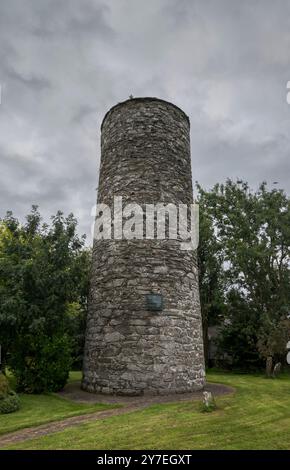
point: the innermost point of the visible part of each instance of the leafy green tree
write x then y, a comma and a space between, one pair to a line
39, 278
77, 310
11, 302
210, 263
253, 229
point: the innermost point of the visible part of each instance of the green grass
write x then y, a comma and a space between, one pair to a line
256, 416
75, 375
41, 409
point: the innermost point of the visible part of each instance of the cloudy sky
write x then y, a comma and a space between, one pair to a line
64, 63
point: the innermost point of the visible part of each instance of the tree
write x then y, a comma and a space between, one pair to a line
253, 229
273, 337
10, 293
39, 277
210, 263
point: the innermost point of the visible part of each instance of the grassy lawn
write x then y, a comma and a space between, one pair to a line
257, 416
40, 409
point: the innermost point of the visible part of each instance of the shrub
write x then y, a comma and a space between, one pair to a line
9, 404
4, 386
9, 400
48, 369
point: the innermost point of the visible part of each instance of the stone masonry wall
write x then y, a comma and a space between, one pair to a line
145, 158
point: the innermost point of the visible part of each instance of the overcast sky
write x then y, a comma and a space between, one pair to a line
63, 64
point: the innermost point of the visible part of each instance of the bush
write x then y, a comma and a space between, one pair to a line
9, 404
46, 371
9, 400
4, 386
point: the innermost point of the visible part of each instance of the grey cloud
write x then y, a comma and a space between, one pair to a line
34, 82
65, 64
56, 18
82, 113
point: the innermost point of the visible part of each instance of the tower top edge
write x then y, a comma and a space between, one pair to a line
144, 99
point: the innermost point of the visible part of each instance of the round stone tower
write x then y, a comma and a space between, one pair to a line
144, 331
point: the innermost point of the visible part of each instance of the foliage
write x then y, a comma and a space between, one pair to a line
77, 311
4, 386
40, 268
45, 366
273, 336
249, 251
237, 345
9, 400
10, 403
211, 279
76, 330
